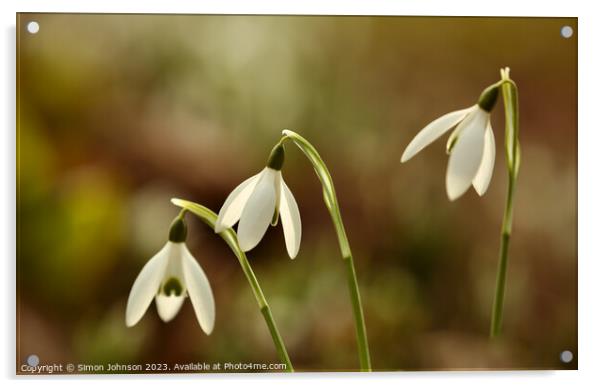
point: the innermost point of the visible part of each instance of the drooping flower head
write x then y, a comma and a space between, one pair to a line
258, 202
169, 277
471, 145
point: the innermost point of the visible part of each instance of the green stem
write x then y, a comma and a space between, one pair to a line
229, 236
358, 314
510, 94
500, 286
332, 205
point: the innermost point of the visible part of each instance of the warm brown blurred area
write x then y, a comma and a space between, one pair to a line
119, 113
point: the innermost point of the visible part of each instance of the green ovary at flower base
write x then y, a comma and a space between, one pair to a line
472, 157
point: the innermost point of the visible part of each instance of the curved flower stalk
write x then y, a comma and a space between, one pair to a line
512, 145
229, 236
259, 201
472, 157
168, 278
330, 199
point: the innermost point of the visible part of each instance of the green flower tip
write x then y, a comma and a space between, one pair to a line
178, 230
489, 97
172, 287
276, 159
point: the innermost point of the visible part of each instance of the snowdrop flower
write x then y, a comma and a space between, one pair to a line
168, 278
471, 145
257, 202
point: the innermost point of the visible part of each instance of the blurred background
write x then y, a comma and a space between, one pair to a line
119, 113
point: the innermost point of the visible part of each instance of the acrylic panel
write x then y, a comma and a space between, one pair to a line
396, 266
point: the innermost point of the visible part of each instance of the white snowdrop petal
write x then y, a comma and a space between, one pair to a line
199, 291
277, 183
235, 203
169, 306
466, 155
258, 212
433, 131
174, 265
483, 177
291, 221
146, 285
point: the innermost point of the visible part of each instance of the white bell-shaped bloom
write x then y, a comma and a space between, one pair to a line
169, 277
471, 147
257, 202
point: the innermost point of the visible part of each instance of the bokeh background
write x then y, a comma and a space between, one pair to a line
119, 113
